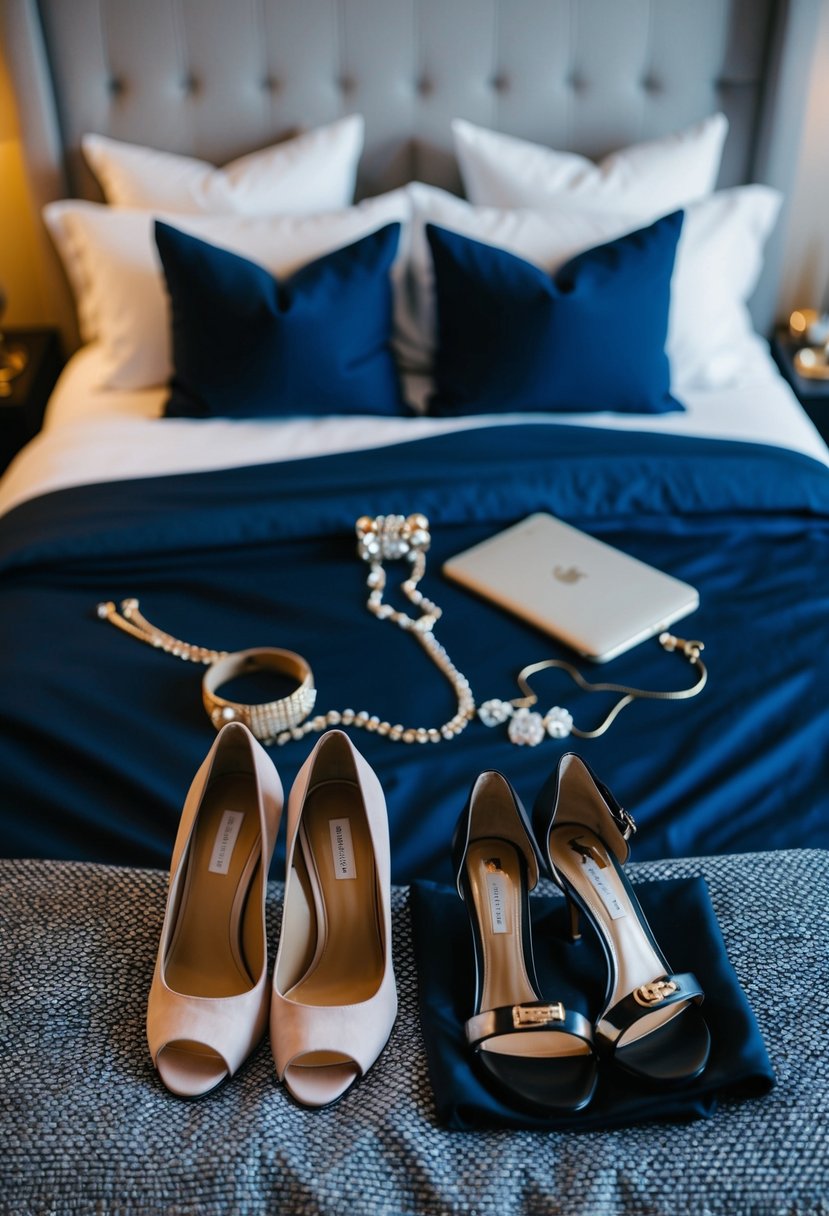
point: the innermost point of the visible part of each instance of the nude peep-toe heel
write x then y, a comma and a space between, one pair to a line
536, 1051
208, 1003
651, 1025
334, 998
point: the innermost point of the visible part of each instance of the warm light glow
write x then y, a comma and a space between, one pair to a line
811, 362
807, 325
18, 240
8, 114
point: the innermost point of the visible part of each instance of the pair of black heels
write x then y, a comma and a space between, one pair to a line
539, 1053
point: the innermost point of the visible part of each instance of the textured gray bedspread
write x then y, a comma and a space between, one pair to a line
85, 1127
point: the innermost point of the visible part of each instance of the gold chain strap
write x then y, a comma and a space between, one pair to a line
526, 727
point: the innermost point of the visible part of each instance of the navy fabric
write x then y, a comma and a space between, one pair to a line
590, 337
100, 735
679, 912
246, 345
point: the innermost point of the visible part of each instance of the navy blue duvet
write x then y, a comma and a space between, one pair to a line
101, 735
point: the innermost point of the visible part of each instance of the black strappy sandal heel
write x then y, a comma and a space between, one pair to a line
537, 1052
651, 1025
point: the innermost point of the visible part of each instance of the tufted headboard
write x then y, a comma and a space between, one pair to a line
216, 78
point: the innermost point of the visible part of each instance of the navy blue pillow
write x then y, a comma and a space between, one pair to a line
590, 337
246, 345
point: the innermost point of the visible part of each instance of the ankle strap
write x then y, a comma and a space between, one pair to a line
574, 794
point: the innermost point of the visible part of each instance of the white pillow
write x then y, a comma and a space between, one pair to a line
647, 179
113, 265
313, 172
718, 261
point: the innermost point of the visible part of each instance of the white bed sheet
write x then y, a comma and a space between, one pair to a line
92, 435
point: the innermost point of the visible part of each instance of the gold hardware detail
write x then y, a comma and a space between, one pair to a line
536, 1015
654, 993
558, 721
628, 823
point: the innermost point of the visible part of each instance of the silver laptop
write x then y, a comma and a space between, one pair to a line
596, 599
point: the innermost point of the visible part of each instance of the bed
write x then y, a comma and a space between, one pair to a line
672, 487
198, 547
232, 520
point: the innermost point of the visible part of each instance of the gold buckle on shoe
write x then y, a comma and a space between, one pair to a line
654, 993
536, 1015
626, 822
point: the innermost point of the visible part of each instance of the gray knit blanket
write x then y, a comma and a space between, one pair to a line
85, 1127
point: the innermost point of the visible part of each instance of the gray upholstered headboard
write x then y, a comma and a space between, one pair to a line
216, 78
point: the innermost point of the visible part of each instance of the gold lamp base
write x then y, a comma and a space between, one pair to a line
13, 360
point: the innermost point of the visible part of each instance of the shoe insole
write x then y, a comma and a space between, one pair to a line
496, 880
336, 856
583, 859
210, 953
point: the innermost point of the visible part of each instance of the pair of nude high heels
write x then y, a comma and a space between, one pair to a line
332, 1001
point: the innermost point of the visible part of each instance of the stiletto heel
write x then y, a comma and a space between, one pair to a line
536, 1051
334, 998
208, 1002
650, 1025
573, 918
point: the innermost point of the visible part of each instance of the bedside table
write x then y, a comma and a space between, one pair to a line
21, 411
813, 395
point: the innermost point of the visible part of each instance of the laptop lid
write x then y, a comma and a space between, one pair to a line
596, 599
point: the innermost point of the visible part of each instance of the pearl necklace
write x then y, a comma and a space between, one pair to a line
379, 539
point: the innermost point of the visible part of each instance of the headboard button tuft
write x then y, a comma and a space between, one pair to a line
115, 86
347, 84
500, 83
425, 86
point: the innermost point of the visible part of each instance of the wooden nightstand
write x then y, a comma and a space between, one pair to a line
21, 411
813, 395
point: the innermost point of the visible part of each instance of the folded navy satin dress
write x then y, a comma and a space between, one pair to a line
681, 915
